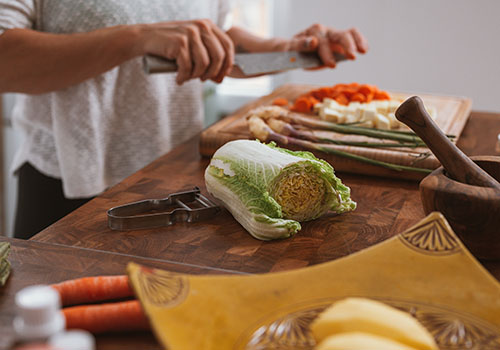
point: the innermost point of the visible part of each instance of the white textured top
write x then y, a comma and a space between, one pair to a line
94, 134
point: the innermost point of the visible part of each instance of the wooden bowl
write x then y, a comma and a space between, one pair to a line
472, 211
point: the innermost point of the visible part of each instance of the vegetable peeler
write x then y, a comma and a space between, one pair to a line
186, 206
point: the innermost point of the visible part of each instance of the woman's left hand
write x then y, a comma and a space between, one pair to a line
325, 41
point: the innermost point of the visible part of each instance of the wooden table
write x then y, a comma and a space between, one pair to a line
385, 208
43, 263
87, 246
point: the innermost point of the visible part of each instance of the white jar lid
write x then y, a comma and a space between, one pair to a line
38, 313
73, 340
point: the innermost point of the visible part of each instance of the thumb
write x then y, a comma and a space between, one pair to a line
304, 44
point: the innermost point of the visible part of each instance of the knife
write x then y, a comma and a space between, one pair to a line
250, 63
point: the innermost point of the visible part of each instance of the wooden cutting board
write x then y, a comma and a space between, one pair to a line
452, 114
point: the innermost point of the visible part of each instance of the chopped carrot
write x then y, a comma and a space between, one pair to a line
280, 101
93, 289
339, 87
111, 317
342, 99
313, 101
349, 92
382, 95
366, 89
342, 93
359, 97
321, 93
304, 104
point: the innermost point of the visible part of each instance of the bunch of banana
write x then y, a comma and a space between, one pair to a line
365, 324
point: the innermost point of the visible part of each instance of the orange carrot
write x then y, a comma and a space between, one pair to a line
359, 97
93, 289
304, 104
342, 93
342, 99
111, 317
349, 92
339, 87
322, 92
366, 89
382, 95
301, 105
280, 101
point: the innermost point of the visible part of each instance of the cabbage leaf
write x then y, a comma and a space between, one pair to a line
270, 190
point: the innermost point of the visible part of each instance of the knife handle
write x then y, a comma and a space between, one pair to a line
155, 64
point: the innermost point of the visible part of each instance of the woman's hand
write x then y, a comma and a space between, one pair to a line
199, 47
326, 41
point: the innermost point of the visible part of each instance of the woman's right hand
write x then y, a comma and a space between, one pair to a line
200, 48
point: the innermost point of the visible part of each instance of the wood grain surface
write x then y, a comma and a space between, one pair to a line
41, 263
385, 207
452, 114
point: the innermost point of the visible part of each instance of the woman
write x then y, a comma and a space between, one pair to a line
89, 114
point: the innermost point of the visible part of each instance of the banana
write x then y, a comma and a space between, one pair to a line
360, 341
373, 317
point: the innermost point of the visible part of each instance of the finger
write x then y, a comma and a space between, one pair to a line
304, 43
228, 47
216, 53
316, 68
185, 66
199, 53
361, 42
346, 40
325, 53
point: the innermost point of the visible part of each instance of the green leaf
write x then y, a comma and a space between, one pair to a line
4, 271
4, 249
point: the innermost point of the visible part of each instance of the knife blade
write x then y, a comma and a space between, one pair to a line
250, 63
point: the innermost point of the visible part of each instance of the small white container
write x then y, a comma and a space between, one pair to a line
73, 340
39, 313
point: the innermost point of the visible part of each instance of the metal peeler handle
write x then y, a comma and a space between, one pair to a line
153, 213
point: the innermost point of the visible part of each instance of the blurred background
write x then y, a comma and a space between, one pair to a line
445, 47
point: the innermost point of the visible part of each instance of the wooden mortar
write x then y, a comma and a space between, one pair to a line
466, 191
472, 211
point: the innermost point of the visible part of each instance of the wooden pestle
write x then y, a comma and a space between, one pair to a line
458, 166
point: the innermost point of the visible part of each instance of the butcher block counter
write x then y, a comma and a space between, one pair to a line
81, 244
386, 207
42, 263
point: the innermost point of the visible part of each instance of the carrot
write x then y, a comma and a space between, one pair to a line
111, 317
342, 99
339, 87
322, 92
93, 289
304, 104
382, 95
359, 97
366, 89
280, 101
349, 92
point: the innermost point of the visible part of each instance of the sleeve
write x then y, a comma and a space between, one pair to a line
224, 17
17, 14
